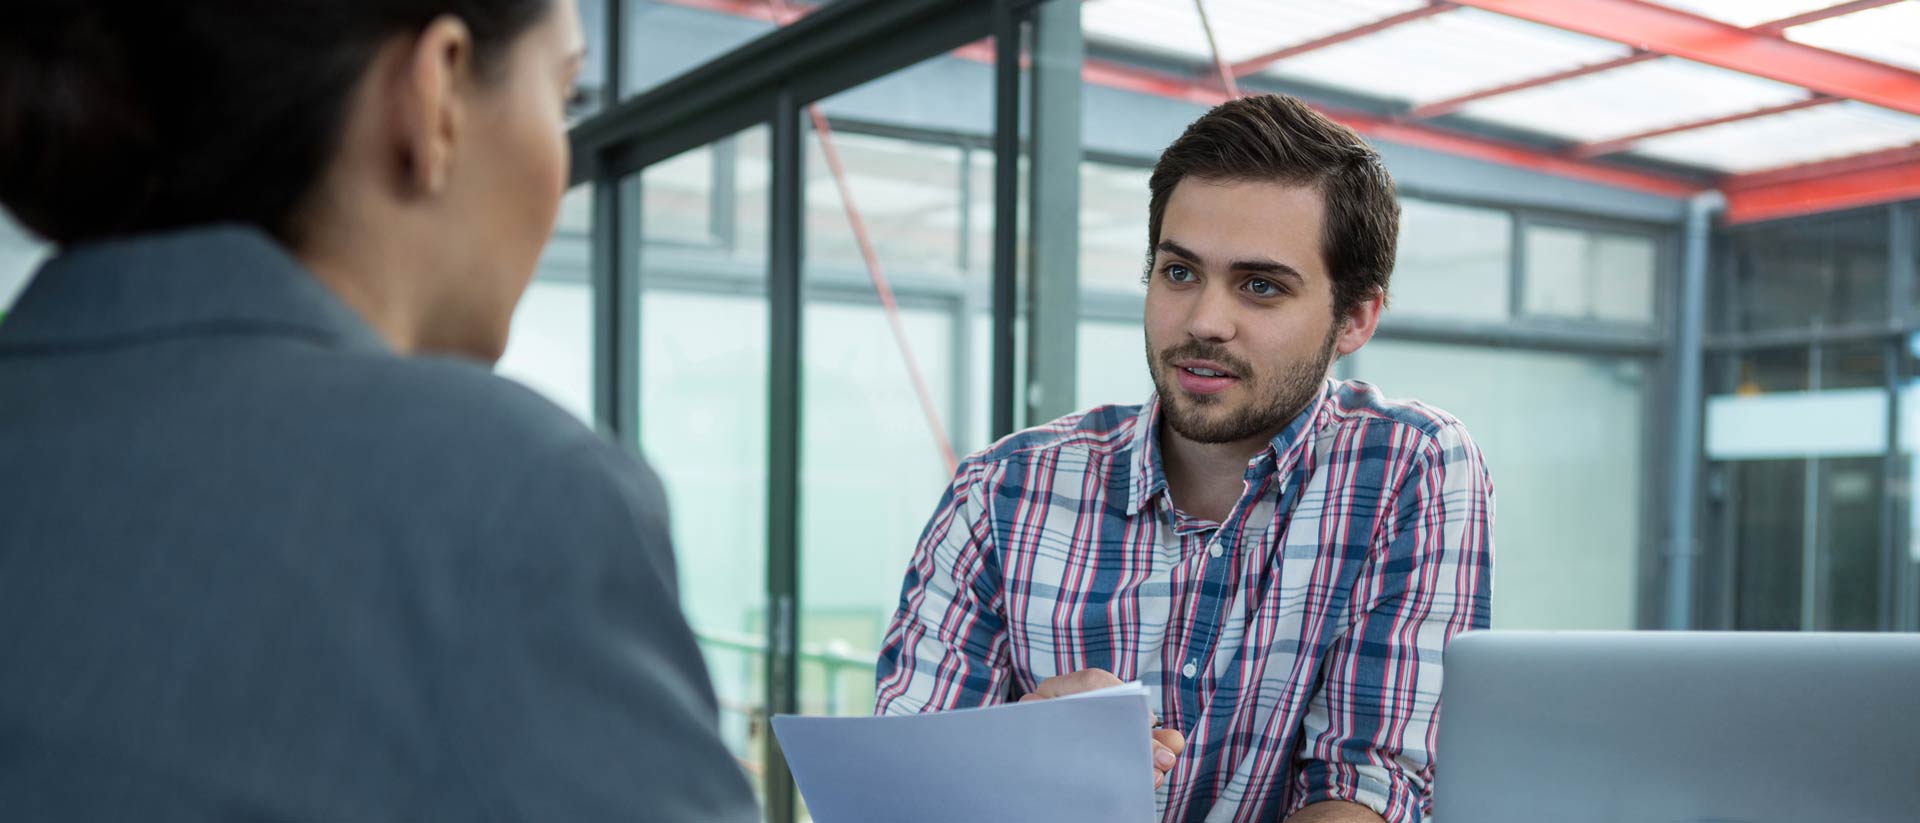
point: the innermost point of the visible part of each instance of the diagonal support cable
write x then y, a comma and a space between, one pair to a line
777, 9
1227, 78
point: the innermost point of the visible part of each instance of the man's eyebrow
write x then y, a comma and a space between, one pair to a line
1257, 265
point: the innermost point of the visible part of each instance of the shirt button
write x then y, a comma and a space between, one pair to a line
1189, 670
1214, 550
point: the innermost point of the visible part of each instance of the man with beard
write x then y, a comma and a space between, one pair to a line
1278, 556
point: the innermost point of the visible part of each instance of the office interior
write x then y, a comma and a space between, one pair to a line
815, 252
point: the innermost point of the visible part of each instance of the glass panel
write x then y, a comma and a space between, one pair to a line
1111, 365
1852, 534
1589, 275
1885, 34
1113, 227
1799, 534
550, 347
1244, 28
908, 193
1804, 136
1449, 54
1455, 262
20, 255
666, 38
1568, 531
872, 472
1633, 99
703, 419
592, 82
872, 463
678, 198
1812, 273
1769, 537
1745, 13
1850, 544
1557, 272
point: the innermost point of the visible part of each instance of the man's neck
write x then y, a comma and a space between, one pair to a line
1206, 479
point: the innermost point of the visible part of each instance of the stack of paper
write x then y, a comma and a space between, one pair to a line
1084, 759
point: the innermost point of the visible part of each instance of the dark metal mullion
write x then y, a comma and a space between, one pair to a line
1903, 250
1516, 265
626, 337
1006, 193
613, 40
607, 297
783, 441
1891, 545
722, 204
1053, 213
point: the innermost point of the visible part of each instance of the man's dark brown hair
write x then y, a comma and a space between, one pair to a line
1276, 138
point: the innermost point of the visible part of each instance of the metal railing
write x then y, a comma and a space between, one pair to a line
835, 663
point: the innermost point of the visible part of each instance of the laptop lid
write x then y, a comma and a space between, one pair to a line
1679, 727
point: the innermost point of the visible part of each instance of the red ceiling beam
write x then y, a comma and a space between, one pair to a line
756, 9
1587, 151
1822, 187
1667, 31
1869, 162
1251, 65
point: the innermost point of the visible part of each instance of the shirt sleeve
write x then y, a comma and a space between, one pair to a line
1371, 726
946, 647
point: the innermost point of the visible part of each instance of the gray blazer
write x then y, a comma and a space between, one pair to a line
255, 566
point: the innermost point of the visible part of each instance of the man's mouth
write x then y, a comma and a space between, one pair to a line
1203, 377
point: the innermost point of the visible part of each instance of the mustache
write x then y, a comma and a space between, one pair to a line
1196, 350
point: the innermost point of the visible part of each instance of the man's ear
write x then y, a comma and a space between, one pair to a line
1359, 323
428, 114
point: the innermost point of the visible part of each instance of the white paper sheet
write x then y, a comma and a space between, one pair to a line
1088, 759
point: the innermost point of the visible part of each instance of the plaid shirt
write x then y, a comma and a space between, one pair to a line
1296, 645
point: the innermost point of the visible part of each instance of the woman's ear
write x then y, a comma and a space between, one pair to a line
428, 109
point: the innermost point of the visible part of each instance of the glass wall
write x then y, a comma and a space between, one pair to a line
550, 348
1807, 442
1454, 262
885, 389
703, 405
20, 254
1562, 436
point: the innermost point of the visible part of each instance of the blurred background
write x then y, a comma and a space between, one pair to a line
1660, 258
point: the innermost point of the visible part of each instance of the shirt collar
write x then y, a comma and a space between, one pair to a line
225, 277
1149, 473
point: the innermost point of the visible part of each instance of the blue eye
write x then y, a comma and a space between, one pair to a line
1262, 288
1177, 273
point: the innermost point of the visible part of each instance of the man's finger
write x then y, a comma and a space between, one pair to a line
1162, 758
1172, 739
1085, 680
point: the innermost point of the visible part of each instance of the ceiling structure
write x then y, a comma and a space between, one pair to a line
1788, 107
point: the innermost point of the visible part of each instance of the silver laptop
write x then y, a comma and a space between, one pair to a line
1679, 727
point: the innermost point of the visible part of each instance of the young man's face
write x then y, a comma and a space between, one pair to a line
1239, 318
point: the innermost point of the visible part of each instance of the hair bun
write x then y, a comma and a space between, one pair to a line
75, 136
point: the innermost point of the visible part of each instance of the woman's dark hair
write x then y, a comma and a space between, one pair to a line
122, 116
1276, 138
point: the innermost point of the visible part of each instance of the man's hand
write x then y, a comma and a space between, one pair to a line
1167, 743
